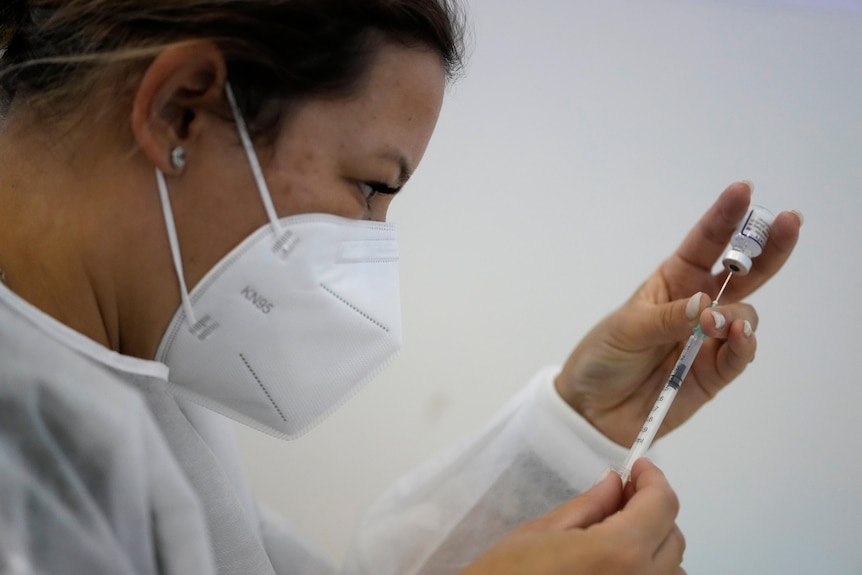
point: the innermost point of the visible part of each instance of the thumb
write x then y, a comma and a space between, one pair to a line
590, 507
672, 322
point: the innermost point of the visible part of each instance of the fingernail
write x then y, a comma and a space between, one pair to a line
719, 319
602, 477
610, 470
747, 329
692, 308
798, 215
750, 184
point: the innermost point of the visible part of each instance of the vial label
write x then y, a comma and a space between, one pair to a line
756, 229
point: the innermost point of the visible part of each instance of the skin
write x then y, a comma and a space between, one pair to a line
589, 536
614, 375
69, 185
79, 184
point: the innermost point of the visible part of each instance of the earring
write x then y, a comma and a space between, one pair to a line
178, 158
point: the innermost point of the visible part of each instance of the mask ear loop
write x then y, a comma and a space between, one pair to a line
175, 245
262, 188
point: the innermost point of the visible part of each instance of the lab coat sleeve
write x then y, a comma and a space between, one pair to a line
536, 454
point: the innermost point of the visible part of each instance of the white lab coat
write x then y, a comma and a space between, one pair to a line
102, 470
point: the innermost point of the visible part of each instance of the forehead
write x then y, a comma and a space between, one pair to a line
399, 79
396, 105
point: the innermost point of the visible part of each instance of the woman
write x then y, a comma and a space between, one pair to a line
193, 195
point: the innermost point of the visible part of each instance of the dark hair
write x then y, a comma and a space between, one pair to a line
289, 49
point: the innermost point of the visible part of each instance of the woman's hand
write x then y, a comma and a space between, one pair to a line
592, 535
614, 375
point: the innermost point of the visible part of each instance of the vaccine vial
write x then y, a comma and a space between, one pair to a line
748, 240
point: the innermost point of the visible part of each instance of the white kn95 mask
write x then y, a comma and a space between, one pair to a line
292, 322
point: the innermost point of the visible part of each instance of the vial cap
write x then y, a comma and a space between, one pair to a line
737, 262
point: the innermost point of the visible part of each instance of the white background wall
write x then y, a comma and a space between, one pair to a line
584, 142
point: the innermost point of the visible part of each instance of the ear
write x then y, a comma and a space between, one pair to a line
183, 81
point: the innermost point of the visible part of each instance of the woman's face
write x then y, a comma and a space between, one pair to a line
334, 156
329, 156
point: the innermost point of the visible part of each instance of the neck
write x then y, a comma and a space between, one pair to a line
71, 225
40, 239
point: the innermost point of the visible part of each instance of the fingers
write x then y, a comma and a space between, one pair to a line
669, 555
705, 243
645, 531
718, 321
735, 355
653, 505
589, 535
783, 236
670, 322
735, 324
590, 507
673, 322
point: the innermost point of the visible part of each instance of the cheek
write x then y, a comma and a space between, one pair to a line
315, 192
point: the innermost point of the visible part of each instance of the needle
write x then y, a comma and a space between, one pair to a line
721, 291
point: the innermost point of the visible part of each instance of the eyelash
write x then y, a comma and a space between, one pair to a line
376, 188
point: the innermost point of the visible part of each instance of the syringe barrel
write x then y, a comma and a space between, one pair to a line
648, 431
686, 358
662, 405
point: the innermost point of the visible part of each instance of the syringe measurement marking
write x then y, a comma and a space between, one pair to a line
645, 429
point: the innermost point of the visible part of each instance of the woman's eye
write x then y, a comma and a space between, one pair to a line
371, 189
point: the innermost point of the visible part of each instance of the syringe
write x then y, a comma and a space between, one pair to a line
665, 399
747, 242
